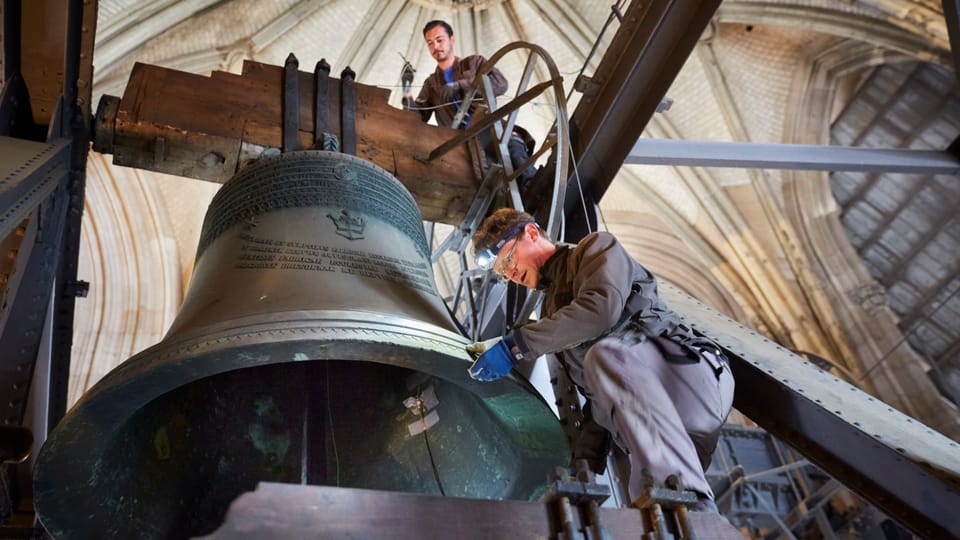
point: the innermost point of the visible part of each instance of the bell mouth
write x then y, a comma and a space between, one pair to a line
311, 347
333, 398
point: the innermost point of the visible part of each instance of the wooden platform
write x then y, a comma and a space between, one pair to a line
299, 511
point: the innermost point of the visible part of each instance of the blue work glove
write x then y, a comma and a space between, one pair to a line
493, 359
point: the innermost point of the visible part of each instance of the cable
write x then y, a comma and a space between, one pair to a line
583, 200
426, 440
477, 102
333, 438
614, 11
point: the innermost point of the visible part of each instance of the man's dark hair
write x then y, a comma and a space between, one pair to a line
433, 24
497, 225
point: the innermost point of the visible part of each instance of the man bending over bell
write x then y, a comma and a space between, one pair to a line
661, 389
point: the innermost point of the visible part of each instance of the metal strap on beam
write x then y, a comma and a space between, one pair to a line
321, 104
805, 157
348, 111
291, 104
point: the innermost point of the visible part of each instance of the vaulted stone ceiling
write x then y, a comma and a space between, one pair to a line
766, 247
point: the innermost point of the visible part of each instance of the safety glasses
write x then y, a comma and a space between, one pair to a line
508, 263
487, 258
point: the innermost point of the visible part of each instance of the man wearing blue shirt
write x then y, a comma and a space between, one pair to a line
443, 92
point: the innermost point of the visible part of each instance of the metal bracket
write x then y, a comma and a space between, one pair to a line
586, 86
77, 289
665, 509
580, 491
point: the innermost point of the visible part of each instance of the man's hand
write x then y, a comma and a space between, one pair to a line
449, 91
406, 77
493, 359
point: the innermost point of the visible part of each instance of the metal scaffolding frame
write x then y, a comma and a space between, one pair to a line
42, 188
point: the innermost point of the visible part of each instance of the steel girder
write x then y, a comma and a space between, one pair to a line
646, 54
791, 156
951, 12
31, 206
899, 465
44, 140
903, 467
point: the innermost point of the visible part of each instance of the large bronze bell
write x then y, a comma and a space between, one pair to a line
313, 348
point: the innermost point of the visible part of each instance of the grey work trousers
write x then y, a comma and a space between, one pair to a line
667, 415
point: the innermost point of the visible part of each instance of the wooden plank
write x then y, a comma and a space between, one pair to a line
208, 127
300, 511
